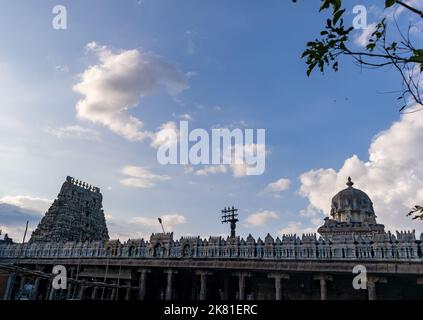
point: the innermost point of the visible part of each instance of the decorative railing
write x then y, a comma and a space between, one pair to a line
403, 247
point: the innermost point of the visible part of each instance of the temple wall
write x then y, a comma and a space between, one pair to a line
403, 246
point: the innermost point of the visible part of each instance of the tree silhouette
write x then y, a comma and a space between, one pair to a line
335, 42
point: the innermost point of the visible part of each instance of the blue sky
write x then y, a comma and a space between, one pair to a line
241, 65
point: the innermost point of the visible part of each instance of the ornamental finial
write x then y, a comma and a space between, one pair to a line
350, 183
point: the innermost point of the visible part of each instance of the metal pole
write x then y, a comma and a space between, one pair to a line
161, 224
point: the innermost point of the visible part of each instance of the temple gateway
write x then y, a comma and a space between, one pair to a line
73, 233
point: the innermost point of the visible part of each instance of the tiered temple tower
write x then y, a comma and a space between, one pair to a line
76, 215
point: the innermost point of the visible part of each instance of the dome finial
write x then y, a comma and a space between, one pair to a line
350, 183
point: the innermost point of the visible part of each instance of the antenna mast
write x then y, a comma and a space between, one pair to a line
230, 215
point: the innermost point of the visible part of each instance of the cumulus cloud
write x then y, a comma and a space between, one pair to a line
278, 186
211, 170
238, 160
417, 4
363, 38
27, 202
296, 227
252, 157
11, 215
185, 116
15, 232
73, 132
117, 83
392, 176
15, 211
260, 218
169, 221
166, 136
141, 226
140, 177
417, 29
62, 68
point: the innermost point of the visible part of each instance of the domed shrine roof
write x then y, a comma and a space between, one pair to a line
351, 199
352, 214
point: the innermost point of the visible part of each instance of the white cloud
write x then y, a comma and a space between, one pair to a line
141, 226
169, 221
118, 82
278, 186
296, 227
62, 68
167, 135
186, 117
392, 176
416, 75
140, 177
260, 218
363, 39
15, 232
74, 132
239, 166
211, 170
396, 11
239, 124
417, 4
39, 205
417, 28
311, 212
188, 169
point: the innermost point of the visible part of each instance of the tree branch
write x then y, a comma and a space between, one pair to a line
407, 6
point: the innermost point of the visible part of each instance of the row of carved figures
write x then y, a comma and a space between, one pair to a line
82, 184
220, 248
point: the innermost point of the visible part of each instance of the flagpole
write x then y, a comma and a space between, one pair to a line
161, 224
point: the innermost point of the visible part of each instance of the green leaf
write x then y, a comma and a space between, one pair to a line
371, 46
336, 5
418, 56
310, 69
325, 4
337, 15
335, 66
389, 3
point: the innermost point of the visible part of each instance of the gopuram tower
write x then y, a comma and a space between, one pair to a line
76, 215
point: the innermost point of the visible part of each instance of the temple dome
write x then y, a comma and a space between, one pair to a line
352, 205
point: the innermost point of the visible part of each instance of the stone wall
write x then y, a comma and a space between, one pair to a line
402, 246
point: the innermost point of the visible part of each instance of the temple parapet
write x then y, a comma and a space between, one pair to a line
409, 236
82, 184
403, 246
